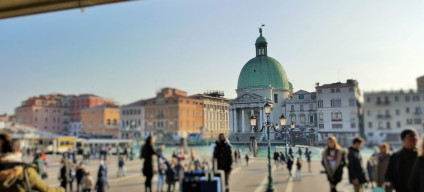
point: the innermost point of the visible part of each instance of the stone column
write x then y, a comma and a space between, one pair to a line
235, 121
243, 123
231, 120
261, 120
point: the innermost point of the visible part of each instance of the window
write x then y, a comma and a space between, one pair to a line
409, 121
336, 116
35, 119
415, 98
417, 121
332, 90
388, 125
418, 110
311, 107
337, 126
397, 112
45, 120
336, 103
369, 113
302, 118
407, 98
407, 110
351, 89
352, 125
321, 116
293, 118
368, 99
292, 108
108, 121
301, 107
321, 126
301, 96
370, 125
396, 98
337, 90
319, 91
276, 98
311, 119
398, 124
320, 103
351, 102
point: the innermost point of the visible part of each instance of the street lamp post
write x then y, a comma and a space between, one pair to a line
269, 125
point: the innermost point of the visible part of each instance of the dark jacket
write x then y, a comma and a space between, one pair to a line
356, 170
147, 152
171, 173
102, 180
80, 173
335, 176
276, 155
416, 183
223, 154
289, 163
65, 173
399, 171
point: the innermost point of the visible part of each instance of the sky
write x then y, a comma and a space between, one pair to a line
128, 51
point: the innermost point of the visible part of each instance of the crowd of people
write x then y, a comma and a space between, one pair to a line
402, 171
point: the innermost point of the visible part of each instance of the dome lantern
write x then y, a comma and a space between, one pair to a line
261, 44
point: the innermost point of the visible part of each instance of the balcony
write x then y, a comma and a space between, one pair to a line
386, 116
383, 103
336, 120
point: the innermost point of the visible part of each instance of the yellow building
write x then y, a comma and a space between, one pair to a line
101, 121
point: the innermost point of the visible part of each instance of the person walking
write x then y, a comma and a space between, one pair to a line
290, 165
416, 183
171, 175
299, 151
39, 165
355, 167
80, 174
147, 153
381, 162
223, 155
298, 175
102, 180
308, 159
333, 160
16, 175
276, 158
65, 174
282, 159
247, 159
400, 163
290, 152
121, 168
161, 173
87, 182
235, 157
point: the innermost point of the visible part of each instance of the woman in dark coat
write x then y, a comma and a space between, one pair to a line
333, 160
147, 153
416, 183
102, 181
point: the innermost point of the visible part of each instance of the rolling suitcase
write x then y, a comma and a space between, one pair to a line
191, 181
210, 184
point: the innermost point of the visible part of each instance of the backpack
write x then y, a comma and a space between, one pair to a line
26, 183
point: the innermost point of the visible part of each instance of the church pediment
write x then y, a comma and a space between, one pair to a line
249, 98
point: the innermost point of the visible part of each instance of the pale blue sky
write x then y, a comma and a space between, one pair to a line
128, 51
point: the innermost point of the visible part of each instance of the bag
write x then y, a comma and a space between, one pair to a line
378, 189
44, 175
210, 184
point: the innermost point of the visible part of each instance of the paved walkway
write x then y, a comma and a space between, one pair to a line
243, 179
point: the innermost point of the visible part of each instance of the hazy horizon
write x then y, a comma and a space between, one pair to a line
128, 51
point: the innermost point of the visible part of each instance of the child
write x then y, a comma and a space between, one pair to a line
171, 175
299, 169
87, 182
121, 170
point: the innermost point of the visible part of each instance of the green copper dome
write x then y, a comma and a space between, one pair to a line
261, 39
261, 72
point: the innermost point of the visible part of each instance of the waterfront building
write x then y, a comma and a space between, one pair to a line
172, 115
79, 103
262, 80
339, 111
420, 84
301, 110
132, 120
216, 116
387, 113
44, 112
100, 121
